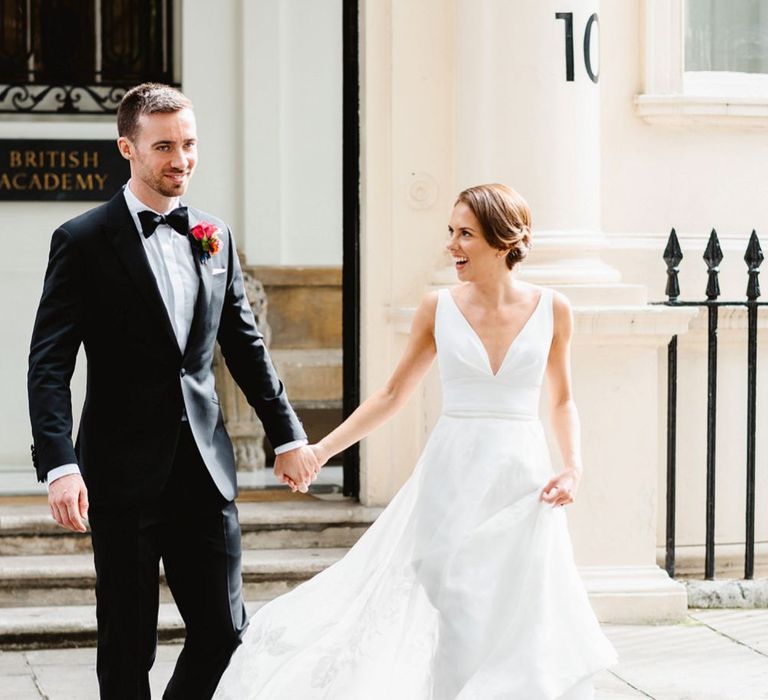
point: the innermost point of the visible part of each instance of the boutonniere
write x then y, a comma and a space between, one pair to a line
205, 237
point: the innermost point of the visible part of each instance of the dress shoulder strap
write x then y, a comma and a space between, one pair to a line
549, 297
440, 306
442, 310
548, 304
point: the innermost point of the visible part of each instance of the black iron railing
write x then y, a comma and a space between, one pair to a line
713, 256
76, 57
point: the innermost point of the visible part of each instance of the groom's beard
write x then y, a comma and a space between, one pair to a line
165, 186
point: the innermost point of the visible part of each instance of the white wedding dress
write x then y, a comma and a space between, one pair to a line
465, 587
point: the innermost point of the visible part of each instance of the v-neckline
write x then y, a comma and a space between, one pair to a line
480, 340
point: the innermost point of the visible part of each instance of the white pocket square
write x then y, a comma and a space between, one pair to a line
219, 270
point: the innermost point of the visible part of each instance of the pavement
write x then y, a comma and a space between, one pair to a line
713, 655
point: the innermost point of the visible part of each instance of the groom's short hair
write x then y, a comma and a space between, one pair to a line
147, 98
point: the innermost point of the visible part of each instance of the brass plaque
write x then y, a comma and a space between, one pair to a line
62, 170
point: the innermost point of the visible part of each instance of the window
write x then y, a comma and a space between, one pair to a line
726, 48
80, 56
706, 62
726, 36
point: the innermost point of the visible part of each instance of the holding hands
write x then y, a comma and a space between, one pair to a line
561, 489
298, 468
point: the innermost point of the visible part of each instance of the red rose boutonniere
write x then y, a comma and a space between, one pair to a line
206, 240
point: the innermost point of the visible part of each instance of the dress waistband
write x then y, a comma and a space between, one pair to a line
491, 414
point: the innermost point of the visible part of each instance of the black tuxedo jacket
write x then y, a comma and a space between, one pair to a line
100, 291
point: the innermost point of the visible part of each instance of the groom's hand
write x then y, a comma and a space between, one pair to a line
298, 468
68, 499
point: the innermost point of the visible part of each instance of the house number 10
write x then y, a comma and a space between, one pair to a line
592, 72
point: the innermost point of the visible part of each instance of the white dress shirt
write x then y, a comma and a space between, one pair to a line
170, 257
172, 264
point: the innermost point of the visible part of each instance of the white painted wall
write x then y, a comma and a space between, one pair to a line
518, 120
693, 177
407, 189
266, 81
292, 125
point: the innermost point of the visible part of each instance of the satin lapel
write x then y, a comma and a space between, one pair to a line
125, 239
205, 290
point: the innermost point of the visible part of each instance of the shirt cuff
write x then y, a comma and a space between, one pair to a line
288, 446
63, 470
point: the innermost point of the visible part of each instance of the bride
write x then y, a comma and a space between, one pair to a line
465, 587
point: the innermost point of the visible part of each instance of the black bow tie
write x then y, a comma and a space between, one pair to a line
178, 220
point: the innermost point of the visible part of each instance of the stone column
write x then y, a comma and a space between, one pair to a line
520, 120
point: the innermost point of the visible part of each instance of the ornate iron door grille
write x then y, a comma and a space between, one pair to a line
80, 56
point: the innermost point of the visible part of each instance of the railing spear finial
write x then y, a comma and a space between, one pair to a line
673, 256
754, 258
713, 256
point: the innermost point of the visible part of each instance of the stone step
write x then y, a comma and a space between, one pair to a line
312, 376
729, 561
75, 625
69, 579
304, 524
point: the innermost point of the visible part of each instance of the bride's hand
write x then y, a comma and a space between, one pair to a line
321, 454
561, 489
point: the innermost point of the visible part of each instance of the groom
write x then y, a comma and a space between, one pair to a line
148, 286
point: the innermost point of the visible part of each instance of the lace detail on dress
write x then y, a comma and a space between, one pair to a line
338, 659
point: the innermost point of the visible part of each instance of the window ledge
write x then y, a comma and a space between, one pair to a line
688, 110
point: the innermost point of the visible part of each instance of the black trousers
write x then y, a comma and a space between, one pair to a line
196, 534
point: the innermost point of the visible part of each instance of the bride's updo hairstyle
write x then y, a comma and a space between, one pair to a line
504, 217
